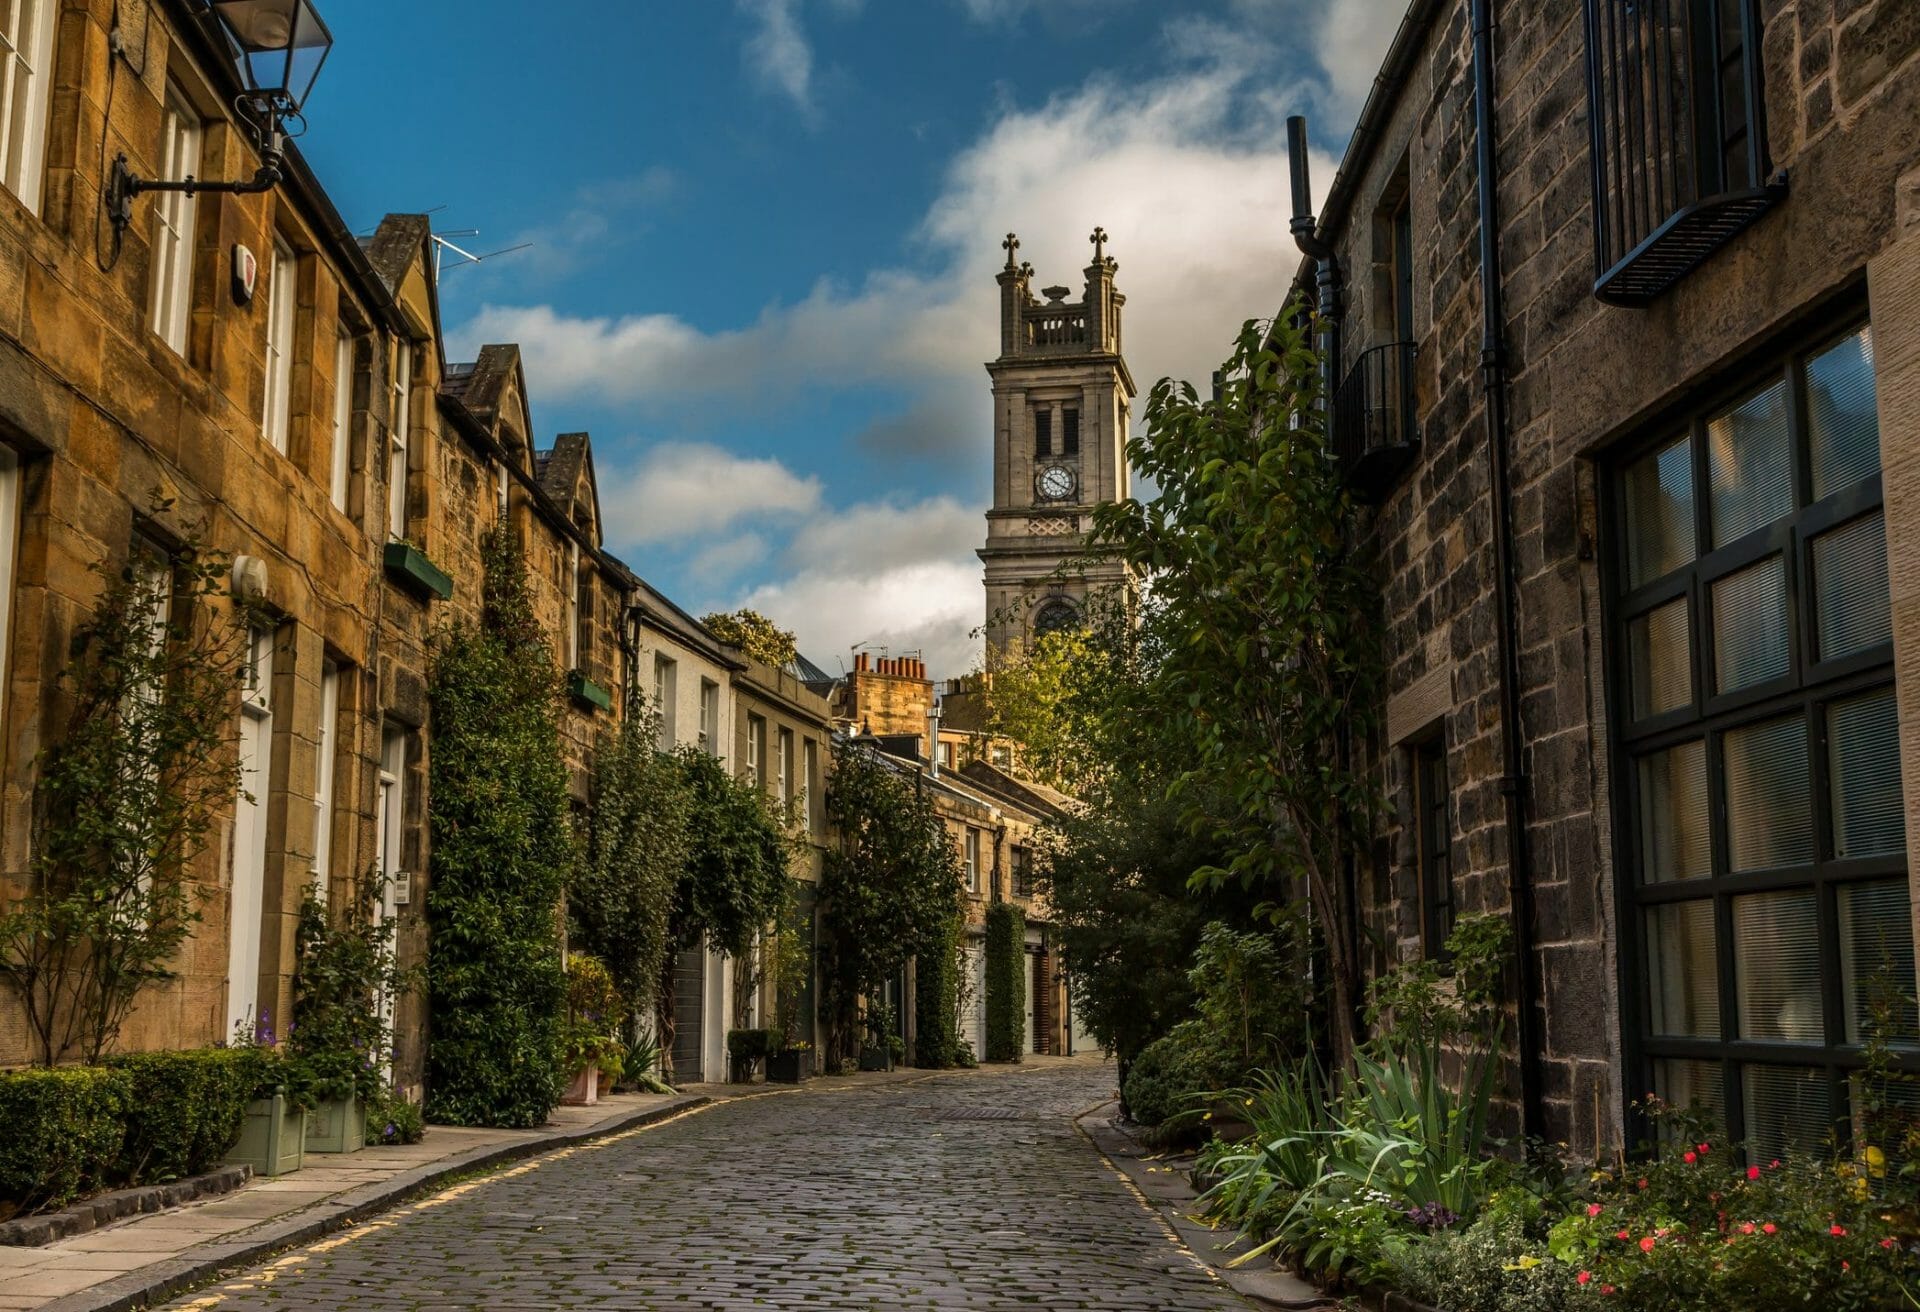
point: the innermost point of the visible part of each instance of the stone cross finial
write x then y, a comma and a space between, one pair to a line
1010, 245
1099, 240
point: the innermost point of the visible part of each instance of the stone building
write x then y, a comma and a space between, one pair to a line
306, 423
1626, 330
1062, 399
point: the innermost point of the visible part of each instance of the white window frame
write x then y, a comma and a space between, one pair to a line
342, 419
26, 90
756, 740
278, 415
810, 764
173, 216
399, 430
572, 618
783, 770
501, 502
970, 858
666, 680
323, 765
710, 717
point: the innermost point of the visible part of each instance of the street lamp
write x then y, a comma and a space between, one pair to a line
277, 48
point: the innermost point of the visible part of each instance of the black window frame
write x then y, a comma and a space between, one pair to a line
1433, 843
1808, 688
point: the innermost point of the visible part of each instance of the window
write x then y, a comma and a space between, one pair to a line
9, 536
1764, 828
1022, 878
756, 747
810, 771
280, 304
970, 859
1056, 616
783, 768
152, 566
500, 492
1433, 831
342, 418
323, 762
250, 836
1070, 432
710, 717
664, 698
26, 82
389, 840
1043, 431
399, 430
173, 214
570, 621
1677, 136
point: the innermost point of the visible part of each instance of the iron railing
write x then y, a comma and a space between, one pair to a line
1678, 138
1375, 433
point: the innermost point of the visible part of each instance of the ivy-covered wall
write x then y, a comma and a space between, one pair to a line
1006, 981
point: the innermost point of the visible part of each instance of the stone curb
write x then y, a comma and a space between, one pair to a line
104, 1209
164, 1279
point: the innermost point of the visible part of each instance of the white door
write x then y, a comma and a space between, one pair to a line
250, 838
389, 825
974, 1023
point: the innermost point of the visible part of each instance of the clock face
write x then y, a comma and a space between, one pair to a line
1056, 483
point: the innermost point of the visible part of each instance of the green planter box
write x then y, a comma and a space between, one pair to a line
273, 1138
587, 692
409, 566
337, 1127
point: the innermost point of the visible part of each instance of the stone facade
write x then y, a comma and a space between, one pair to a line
1587, 381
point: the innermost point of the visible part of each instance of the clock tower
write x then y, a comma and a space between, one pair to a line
1062, 400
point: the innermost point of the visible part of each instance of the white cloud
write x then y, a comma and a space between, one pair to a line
778, 52
931, 607
681, 490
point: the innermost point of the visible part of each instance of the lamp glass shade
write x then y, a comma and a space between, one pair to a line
277, 46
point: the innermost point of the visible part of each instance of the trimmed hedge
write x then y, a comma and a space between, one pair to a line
186, 1110
1006, 981
1163, 1081
751, 1045
61, 1133
936, 1001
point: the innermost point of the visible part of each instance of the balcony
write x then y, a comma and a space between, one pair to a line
1679, 142
1375, 436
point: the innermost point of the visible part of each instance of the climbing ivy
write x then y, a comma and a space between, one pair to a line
1006, 949
501, 854
936, 996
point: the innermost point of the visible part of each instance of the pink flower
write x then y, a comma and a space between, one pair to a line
1747, 1229
1643, 1184
1886, 1243
1623, 1235
1583, 1277
1704, 1148
1774, 1165
1606, 1289
1769, 1227
1646, 1245
1753, 1173
1594, 1209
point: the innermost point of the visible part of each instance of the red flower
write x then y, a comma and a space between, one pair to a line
1774, 1165
1704, 1148
1583, 1277
1747, 1229
1594, 1209
1886, 1243
1622, 1235
1768, 1227
1689, 1158
1606, 1289
1643, 1184
1753, 1173
1838, 1231
1646, 1245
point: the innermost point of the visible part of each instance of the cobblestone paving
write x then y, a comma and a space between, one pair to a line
963, 1191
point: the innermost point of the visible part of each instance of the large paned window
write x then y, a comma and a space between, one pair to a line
1769, 899
756, 748
665, 696
173, 222
325, 733
399, 430
280, 304
26, 83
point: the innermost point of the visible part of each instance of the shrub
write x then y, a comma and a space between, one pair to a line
185, 1110
1163, 1081
936, 1000
392, 1119
1006, 949
343, 966
61, 1131
1497, 1264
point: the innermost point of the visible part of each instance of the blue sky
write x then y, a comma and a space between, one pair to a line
764, 234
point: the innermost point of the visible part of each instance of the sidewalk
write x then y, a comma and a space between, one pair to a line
149, 1258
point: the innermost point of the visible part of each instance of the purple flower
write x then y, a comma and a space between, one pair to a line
1431, 1216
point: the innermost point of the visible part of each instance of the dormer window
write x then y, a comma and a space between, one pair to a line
1679, 148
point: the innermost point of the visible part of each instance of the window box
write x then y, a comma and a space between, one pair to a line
409, 566
587, 692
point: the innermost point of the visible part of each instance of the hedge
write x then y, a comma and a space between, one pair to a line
186, 1111
1006, 981
936, 1001
61, 1133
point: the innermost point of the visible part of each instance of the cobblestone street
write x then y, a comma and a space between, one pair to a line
970, 1190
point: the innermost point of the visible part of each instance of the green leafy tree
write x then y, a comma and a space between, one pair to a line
502, 851
1248, 555
124, 802
889, 886
1045, 695
754, 634
621, 895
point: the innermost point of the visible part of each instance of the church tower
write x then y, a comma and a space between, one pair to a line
1062, 398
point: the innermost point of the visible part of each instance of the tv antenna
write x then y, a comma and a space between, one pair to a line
441, 245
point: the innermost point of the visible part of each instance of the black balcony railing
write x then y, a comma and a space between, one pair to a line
1374, 432
1679, 141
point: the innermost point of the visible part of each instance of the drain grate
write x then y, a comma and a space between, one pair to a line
980, 1114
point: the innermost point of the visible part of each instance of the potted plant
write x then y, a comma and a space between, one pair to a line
346, 964
273, 1134
595, 1014
745, 1051
790, 1063
877, 1054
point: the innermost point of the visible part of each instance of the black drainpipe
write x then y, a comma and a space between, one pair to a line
1493, 375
